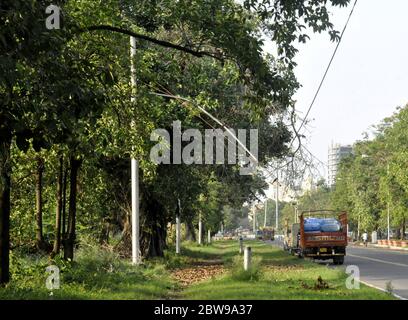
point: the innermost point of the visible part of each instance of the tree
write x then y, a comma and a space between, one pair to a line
69, 89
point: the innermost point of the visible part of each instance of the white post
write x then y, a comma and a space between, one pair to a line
134, 170
374, 237
200, 230
247, 258
177, 234
209, 236
266, 209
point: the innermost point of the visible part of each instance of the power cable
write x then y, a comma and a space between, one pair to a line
327, 69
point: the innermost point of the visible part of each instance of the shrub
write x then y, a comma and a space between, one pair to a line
239, 274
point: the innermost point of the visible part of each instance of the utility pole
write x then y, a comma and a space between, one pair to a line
266, 209
388, 206
178, 227
277, 201
296, 214
134, 168
254, 219
200, 230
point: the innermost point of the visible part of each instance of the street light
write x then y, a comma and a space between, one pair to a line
135, 221
266, 209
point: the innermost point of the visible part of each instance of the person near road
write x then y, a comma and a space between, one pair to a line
365, 238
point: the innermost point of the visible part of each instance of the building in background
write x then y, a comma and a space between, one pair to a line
336, 153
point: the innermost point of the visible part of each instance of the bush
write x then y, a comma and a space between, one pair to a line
253, 274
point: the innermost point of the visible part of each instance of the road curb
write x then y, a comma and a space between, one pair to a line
383, 290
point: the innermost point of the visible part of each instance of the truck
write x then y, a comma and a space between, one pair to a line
268, 234
320, 235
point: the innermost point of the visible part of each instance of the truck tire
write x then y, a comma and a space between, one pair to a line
338, 260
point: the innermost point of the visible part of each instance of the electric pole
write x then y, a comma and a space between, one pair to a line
277, 201
388, 206
178, 229
134, 167
200, 230
266, 209
254, 219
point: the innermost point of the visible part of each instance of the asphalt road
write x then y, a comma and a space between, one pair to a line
379, 267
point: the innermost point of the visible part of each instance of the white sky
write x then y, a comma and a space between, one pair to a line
368, 78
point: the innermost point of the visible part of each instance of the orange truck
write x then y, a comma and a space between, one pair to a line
320, 235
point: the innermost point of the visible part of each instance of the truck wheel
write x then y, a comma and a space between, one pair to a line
338, 260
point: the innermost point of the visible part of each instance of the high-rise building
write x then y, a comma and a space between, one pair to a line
336, 153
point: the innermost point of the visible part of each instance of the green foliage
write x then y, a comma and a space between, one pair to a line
253, 274
98, 273
373, 178
318, 198
66, 93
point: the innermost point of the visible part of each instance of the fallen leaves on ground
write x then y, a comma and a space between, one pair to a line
188, 276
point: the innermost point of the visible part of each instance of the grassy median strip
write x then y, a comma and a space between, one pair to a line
275, 276
201, 272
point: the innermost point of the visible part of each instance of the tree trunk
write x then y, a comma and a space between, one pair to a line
403, 229
39, 238
190, 231
5, 174
398, 235
104, 235
69, 242
154, 230
64, 203
57, 240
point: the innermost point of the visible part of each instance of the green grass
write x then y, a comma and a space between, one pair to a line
281, 277
96, 274
100, 274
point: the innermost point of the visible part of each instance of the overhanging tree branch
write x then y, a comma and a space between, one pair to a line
153, 40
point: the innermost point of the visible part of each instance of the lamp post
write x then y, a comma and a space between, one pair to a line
266, 209
277, 201
134, 169
388, 206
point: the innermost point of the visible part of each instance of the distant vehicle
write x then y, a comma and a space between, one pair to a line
259, 235
268, 233
320, 235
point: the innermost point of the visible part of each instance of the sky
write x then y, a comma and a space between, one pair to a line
367, 81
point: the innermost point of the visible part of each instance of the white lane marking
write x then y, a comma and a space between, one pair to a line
381, 289
378, 260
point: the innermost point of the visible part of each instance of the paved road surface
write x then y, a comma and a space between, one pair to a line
379, 267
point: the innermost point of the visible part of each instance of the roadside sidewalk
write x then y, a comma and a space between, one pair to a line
371, 245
